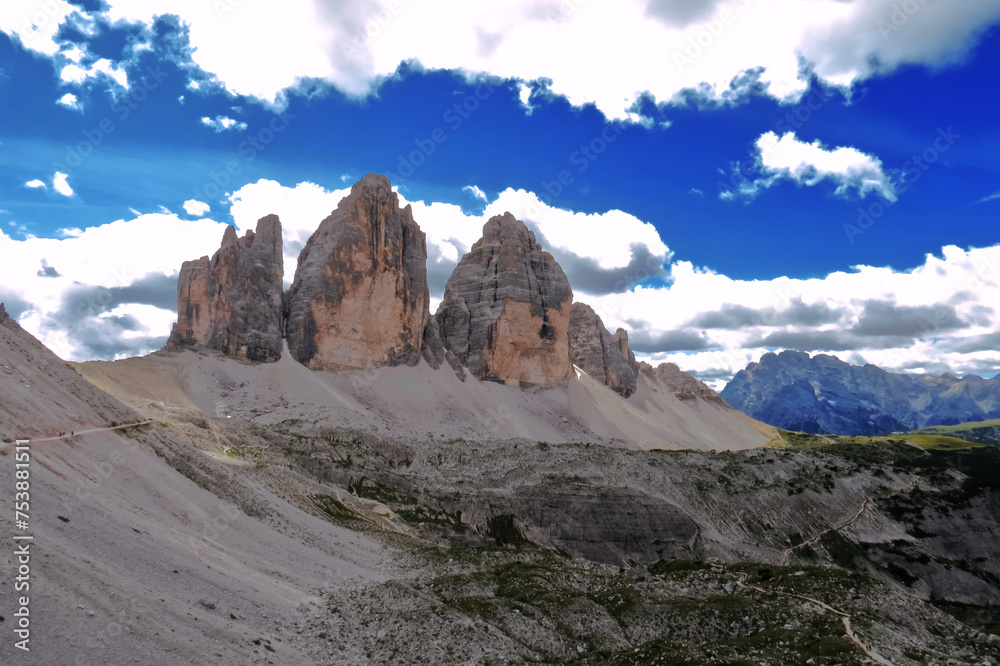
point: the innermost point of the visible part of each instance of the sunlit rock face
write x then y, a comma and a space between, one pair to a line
359, 298
506, 308
232, 303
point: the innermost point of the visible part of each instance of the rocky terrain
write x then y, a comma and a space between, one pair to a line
233, 302
605, 357
238, 525
825, 395
359, 298
506, 309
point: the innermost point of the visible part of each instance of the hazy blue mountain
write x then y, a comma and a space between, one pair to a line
823, 394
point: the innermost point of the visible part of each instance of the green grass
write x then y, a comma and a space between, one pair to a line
941, 442
937, 442
959, 427
334, 508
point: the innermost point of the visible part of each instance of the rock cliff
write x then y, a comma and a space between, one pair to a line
506, 308
232, 302
360, 297
605, 357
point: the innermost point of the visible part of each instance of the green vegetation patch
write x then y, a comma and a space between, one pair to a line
334, 508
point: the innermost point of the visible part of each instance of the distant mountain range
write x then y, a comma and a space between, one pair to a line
823, 394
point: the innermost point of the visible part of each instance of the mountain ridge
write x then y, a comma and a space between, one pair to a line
822, 394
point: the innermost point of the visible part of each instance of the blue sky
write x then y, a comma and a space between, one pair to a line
682, 160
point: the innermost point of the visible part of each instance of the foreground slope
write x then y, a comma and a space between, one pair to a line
146, 550
231, 531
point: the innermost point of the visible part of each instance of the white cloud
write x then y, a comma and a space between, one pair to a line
70, 101
694, 191
788, 158
475, 192
524, 94
196, 208
114, 290
70, 232
60, 184
75, 73
222, 123
300, 209
35, 25
939, 315
658, 47
36, 184
988, 198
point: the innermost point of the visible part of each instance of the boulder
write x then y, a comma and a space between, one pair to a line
232, 303
506, 308
360, 297
605, 357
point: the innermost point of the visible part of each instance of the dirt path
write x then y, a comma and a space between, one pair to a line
846, 617
875, 656
84, 432
788, 551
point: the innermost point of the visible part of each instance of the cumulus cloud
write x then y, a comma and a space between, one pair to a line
36, 184
222, 123
60, 183
788, 158
36, 26
722, 50
109, 291
70, 101
196, 208
595, 260
300, 209
939, 314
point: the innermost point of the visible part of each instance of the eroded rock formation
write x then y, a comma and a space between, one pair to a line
232, 302
681, 383
506, 308
605, 357
360, 298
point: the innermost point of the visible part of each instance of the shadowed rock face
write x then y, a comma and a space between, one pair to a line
232, 302
823, 394
506, 308
360, 298
605, 357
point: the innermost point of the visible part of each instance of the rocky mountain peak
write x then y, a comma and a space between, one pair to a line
360, 296
822, 394
507, 228
506, 308
605, 357
232, 302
